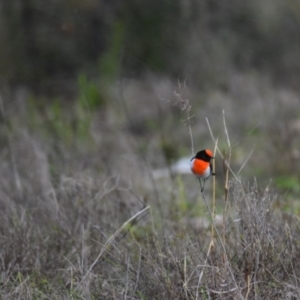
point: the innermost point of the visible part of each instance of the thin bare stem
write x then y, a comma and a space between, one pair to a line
110, 240
246, 160
214, 189
221, 242
220, 153
185, 107
226, 131
202, 272
185, 278
227, 169
138, 272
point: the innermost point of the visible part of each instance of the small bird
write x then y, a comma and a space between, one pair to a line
201, 166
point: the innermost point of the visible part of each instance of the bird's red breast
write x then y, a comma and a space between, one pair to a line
200, 167
200, 163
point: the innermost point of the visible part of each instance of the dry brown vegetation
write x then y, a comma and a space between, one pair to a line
83, 216
92, 120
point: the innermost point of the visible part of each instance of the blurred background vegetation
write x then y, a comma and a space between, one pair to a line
45, 46
70, 67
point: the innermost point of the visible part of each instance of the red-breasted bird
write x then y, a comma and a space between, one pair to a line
201, 166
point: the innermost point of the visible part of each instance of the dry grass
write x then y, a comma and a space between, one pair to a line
82, 217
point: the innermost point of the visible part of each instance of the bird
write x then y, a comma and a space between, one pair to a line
201, 166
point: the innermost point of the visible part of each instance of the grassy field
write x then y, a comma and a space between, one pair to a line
83, 215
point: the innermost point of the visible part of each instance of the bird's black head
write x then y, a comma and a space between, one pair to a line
205, 155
